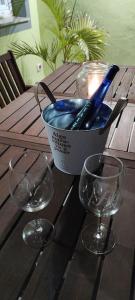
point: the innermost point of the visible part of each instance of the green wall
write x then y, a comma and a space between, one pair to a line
117, 17
28, 64
44, 19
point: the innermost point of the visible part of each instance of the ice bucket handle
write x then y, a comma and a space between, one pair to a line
119, 107
47, 91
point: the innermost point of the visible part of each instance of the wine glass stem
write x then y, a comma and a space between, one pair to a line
99, 230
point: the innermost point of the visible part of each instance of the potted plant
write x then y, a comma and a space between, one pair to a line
75, 37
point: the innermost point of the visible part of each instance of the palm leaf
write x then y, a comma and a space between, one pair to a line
73, 10
76, 55
82, 21
59, 10
42, 51
54, 51
93, 41
88, 37
76, 37
22, 48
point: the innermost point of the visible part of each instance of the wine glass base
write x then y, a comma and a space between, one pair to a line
99, 244
38, 233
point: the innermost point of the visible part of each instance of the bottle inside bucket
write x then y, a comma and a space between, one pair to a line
71, 147
81, 113
62, 114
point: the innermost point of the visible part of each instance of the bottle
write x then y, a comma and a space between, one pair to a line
88, 114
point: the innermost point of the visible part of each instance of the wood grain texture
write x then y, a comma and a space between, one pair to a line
19, 114
116, 276
56, 85
121, 154
65, 86
65, 270
112, 92
32, 142
131, 147
131, 93
17, 259
80, 278
121, 136
53, 76
124, 221
111, 132
3, 148
54, 263
126, 82
105, 279
8, 110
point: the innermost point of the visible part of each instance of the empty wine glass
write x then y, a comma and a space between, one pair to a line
99, 192
31, 188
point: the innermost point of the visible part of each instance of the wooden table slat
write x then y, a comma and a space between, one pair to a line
29, 119
79, 281
120, 139
72, 90
36, 128
12, 153
8, 110
65, 86
55, 265
43, 133
125, 84
32, 142
121, 154
53, 76
111, 132
131, 93
3, 148
20, 114
112, 92
124, 229
131, 147
14, 248
116, 275
56, 85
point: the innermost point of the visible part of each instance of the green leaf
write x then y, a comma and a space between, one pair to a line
54, 50
59, 10
75, 36
22, 48
89, 38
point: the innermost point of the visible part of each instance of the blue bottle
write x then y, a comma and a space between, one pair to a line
88, 114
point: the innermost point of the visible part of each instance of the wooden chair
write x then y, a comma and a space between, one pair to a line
11, 81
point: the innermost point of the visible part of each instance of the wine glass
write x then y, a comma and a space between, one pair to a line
99, 192
31, 188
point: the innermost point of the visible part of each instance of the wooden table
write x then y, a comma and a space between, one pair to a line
21, 123
64, 270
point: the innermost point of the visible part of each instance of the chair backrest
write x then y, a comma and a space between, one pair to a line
11, 81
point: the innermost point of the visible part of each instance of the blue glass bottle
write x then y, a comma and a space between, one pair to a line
88, 114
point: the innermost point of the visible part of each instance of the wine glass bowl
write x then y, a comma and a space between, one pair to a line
31, 188
100, 193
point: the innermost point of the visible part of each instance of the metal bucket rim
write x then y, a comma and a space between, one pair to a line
69, 130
